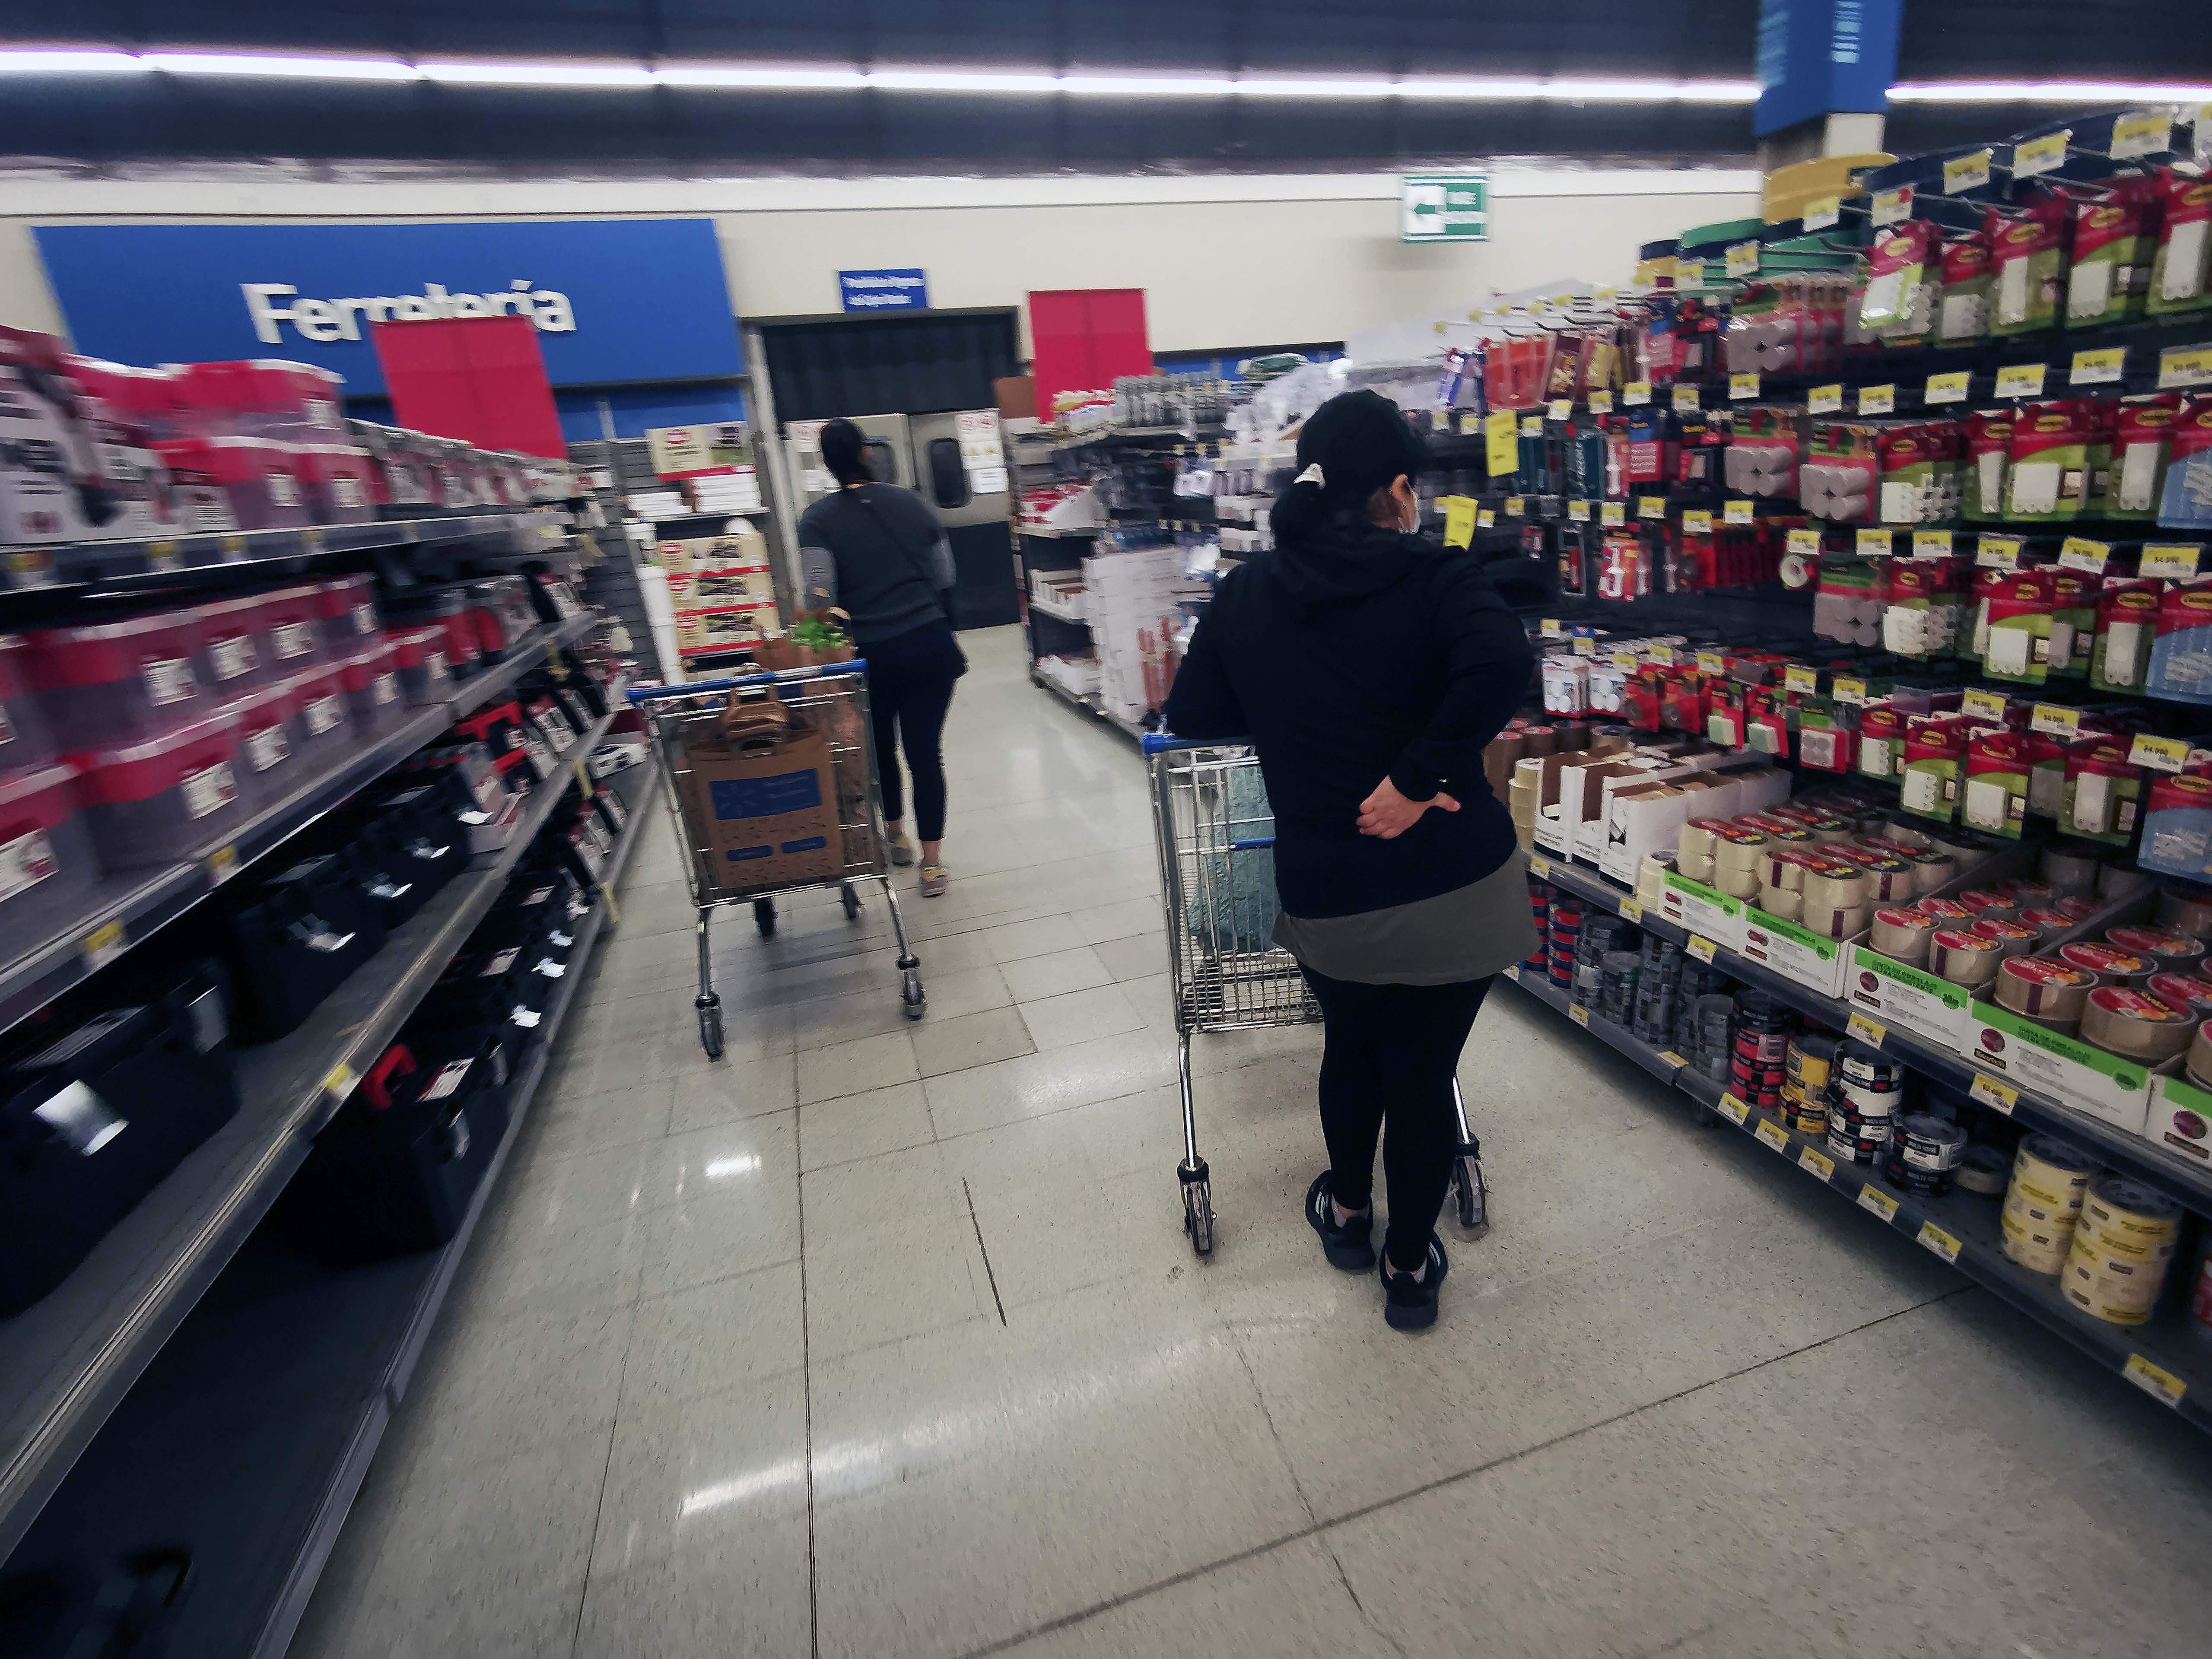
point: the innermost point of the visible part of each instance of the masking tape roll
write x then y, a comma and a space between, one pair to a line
2136, 1024
2042, 987
1903, 935
2039, 1247
2125, 1208
2163, 945
1984, 1170
2118, 1248
1964, 958
2053, 1172
2107, 1291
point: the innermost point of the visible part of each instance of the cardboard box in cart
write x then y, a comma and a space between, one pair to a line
767, 807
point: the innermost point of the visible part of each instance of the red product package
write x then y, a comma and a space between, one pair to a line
2112, 247
2181, 269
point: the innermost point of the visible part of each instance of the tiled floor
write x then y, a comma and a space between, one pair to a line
878, 1339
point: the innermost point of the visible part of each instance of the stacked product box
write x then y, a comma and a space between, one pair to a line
1133, 607
722, 591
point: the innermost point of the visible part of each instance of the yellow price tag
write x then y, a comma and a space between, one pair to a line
1998, 1096
1626, 659
1532, 426
2155, 1380
1997, 552
2054, 721
2160, 754
1823, 211
1869, 1031
1583, 645
1550, 629
1743, 386
1562, 408
2140, 135
1687, 400
1600, 402
1439, 420
1875, 544
1949, 388
1824, 400
2184, 367
1501, 449
1514, 973
1739, 513
1771, 1135
1697, 521
2040, 155
1578, 510
1892, 205
2020, 380
338, 1081
1470, 423
1872, 1197
2102, 367
1486, 517
222, 864
1963, 173
102, 945
1817, 1163
1613, 513
1711, 662
1672, 1059
161, 556
2080, 553
1578, 1014
1804, 542
1459, 520
1700, 947
1795, 677
1742, 260
311, 539
1986, 706
1636, 392
1939, 1241
1734, 1109
1515, 507
1631, 910
1848, 691
1877, 399
233, 547
1651, 507
2169, 561
1931, 544
1539, 866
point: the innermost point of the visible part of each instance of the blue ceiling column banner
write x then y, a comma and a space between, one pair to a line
613, 300
1824, 58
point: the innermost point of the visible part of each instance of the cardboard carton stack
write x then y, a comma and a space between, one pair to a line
721, 591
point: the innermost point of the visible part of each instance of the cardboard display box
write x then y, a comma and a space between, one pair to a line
767, 807
734, 629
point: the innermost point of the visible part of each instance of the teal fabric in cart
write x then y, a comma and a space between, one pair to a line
1232, 906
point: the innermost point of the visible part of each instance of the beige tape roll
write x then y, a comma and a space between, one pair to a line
1902, 935
2048, 923
2120, 1207
2044, 988
1785, 866
1963, 849
1835, 885
2028, 890
2199, 1063
2136, 1024
2069, 872
1935, 870
1739, 850
1906, 832
2106, 1290
1697, 839
1890, 880
2169, 949
1989, 902
2054, 1173
2012, 938
1835, 921
2186, 910
1736, 884
2039, 1247
1949, 911
1696, 869
2117, 881
2108, 1246
1964, 958
1783, 902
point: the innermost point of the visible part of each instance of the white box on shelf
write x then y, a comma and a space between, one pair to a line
2105, 1085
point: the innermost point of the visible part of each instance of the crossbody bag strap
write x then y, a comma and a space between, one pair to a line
922, 569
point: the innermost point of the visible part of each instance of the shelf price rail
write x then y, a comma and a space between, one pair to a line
2173, 1364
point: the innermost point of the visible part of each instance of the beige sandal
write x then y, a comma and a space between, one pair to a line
933, 880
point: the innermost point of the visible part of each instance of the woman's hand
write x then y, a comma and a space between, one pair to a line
1388, 814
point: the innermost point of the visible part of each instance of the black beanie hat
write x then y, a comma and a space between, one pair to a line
1359, 441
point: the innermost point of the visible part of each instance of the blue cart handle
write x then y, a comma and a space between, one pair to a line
1159, 743
767, 677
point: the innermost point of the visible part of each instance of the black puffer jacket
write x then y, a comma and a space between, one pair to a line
1353, 653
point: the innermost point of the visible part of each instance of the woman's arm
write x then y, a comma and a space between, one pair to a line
1202, 703
818, 574
1487, 660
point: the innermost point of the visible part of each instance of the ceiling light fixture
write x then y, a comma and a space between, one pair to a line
578, 74
2046, 92
61, 61
257, 64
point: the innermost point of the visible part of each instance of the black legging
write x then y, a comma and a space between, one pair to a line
1391, 1053
910, 680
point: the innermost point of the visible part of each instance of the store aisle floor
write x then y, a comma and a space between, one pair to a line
874, 1339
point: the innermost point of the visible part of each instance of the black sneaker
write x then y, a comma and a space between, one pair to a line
1410, 1303
1351, 1247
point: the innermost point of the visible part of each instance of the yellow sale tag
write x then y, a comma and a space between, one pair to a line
1848, 691
1738, 512
1514, 973
1877, 399
1742, 259
1798, 678
2040, 155
1501, 448
1600, 402
1931, 544
1805, 542
1892, 205
1613, 513
1562, 408
1539, 866
1515, 507
2053, 721
1470, 423
2185, 365
102, 945
1672, 1059
2160, 754
1939, 1241
1626, 659
1950, 388
1734, 1109
1965, 173
1606, 293
1686, 401
1711, 662
1822, 211
1697, 521
2020, 380
2154, 1379
1997, 552
1584, 646
222, 864
1979, 705
1872, 1197
2140, 135
311, 539
1818, 1163
1742, 386
1635, 392
1486, 517
1824, 400
234, 547
1578, 1014
1700, 947
339, 1080
2173, 561
1651, 506
161, 556
2080, 553
1459, 520
1771, 1135
1869, 1031
1578, 510
1876, 544
1550, 629
1631, 910
2098, 368
1439, 420
1998, 1096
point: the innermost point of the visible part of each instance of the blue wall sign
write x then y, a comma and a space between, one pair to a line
883, 290
612, 299
1824, 58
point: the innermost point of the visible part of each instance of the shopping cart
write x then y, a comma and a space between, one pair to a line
1217, 842
832, 699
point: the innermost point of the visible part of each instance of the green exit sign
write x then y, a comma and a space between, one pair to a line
1439, 207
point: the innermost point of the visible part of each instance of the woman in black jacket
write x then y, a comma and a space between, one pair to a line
1369, 667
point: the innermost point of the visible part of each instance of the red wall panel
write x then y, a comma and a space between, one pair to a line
480, 379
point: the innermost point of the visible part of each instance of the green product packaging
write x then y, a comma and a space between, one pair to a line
1982, 480
1933, 751
1995, 795
1920, 606
2020, 635
2047, 481
1882, 743
2127, 622
1903, 277
2028, 252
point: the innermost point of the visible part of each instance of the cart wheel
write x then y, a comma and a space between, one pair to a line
710, 1030
1472, 1193
1198, 1215
764, 916
852, 901
910, 993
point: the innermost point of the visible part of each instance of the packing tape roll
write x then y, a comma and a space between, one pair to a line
1837, 886
2039, 1247
1736, 884
1540, 741
1963, 848
1697, 838
1989, 902
1832, 922
2111, 965
2048, 923
1785, 866
2043, 987
2012, 938
2053, 1172
2117, 881
2186, 910
1984, 1170
1935, 870
2124, 1207
1949, 911
2167, 947
2069, 872
1903, 935
1783, 902
2187, 991
2027, 889
1696, 869
1905, 831
2199, 1063
2076, 909
2136, 1024
1890, 880
1739, 851
1964, 958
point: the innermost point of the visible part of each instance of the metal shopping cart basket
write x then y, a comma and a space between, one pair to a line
831, 700
1217, 842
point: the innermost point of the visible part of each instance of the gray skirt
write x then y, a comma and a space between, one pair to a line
1469, 932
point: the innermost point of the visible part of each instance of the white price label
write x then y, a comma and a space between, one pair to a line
1869, 1031
1998, 1096
1734, 1109
1872, 1197
1818, 1163
1701, 947
1937, 1240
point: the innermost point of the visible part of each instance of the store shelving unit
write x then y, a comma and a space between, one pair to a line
251, 1432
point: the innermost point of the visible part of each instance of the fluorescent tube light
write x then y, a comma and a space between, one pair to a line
259, 65
41, 61
744, 74
2046, 92
579, 74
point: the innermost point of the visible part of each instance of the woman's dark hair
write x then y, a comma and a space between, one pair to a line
844, 452
1361, 442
